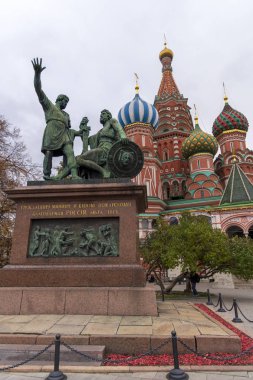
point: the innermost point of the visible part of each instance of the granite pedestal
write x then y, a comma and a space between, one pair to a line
75, 284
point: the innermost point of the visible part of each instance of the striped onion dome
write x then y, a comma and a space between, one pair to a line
199, 142
228, 120
138, 111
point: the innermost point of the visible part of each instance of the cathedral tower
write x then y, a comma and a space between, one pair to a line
175, 124
230, 129
139, 120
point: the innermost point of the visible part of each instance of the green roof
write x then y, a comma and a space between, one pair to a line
239, 189
193, 201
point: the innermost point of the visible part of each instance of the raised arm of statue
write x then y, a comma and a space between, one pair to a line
37, 66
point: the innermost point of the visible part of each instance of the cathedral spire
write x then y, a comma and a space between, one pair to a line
168, 85
137, 87
225, 95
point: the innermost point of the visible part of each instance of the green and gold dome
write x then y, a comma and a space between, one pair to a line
199, 142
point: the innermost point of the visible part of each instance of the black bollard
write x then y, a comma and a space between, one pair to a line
221, 309
236, 319
209, 301
56, 374
176, 373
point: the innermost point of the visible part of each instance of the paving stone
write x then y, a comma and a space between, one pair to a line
20, 318
105, 319
11, 327
236, 373
132, 330
36, 326
65, 329
136, 321
185, 329
162, 328
79, 320
146, 375
160, 376
219, 377
100, 328
197, 376
205, 330
49, 317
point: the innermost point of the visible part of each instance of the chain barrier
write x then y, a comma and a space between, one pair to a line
243, 353
244, 316
209, 301
130, 358
72, 349
27, 360
234, 306
215, 305
228, 309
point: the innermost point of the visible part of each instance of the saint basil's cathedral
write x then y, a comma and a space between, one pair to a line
180, 169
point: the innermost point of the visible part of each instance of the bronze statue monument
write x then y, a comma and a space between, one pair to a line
111, 154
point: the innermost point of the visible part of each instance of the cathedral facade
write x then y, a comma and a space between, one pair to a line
181, 170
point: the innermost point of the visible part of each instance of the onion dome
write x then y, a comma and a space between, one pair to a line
138, 111
199, 142
228, 120
166, 52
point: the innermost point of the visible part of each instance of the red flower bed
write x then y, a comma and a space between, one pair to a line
192, 359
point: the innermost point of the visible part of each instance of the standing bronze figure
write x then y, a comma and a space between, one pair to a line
58, 137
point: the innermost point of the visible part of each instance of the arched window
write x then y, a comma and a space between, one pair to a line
175, 185
154, 223
235, 231
145, 224
166, 190
184, 186
165, 155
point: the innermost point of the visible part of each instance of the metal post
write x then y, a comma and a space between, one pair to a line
221, 309
56, 374
236, 319
176, 373
209, 301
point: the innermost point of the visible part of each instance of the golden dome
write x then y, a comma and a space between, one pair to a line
166, 53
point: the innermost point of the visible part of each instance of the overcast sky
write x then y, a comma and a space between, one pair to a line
91, 49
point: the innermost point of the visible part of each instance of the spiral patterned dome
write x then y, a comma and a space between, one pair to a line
138, 111
199, 142
228, 120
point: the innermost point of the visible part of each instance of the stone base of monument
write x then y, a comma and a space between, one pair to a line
68, 300
75, 251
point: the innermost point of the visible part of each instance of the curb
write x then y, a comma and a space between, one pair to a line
130, 369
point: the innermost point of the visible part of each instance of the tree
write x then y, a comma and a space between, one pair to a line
15, 168
194, 246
